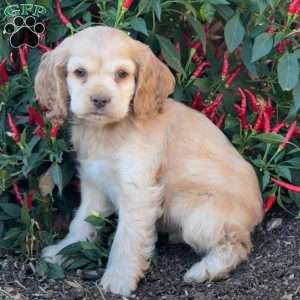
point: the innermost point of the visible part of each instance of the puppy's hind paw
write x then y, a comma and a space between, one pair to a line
197, 273
118, 282
49, 254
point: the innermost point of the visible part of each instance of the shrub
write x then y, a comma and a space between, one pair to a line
236, 61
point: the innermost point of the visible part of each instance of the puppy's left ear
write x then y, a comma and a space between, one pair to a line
50, 83
155, 83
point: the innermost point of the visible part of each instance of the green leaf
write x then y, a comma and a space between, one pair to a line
262, 5
13, 210
56, 30
284, 171
81, 7
297, 53
55, 271
1, 228
234, 32
246, 57
41, 268
70, 249
157, 9
265, 179
170, 54
33, 61
4, 217
225, 11
57, 177
199, 30
95, 219
12, 233
270, 138
295, 162
144, 6
288, 71
207, 12
259, 163
295, 106
77, 263
139, 24
263, 44
218, 2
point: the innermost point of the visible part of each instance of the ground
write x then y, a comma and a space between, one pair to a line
272, 272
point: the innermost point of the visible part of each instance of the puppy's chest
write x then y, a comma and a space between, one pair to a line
104, 175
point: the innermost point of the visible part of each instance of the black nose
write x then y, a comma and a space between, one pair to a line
100, 101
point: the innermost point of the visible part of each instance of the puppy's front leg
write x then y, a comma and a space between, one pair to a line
92, 199
134, 240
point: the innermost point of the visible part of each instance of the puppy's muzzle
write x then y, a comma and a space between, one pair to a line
100, 101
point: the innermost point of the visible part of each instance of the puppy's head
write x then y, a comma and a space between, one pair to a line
105, 74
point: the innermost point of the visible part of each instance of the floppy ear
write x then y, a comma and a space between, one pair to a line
50, 83
155, 83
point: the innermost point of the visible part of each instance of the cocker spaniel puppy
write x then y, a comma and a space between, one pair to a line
153, 161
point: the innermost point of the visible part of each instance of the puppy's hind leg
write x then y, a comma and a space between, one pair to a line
218, 262
80, 230
214, 225
228, 245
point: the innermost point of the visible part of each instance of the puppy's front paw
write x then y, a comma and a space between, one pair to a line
50, 255
118, 282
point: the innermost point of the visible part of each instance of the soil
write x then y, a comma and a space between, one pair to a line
272, 272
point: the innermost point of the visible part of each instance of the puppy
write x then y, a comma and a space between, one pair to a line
153, 161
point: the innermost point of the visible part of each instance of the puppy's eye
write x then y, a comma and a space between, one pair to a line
121, 74
80, 72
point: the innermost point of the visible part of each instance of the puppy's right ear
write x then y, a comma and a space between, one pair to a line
50, 83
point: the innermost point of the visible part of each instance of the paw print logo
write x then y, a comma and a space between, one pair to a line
24, 31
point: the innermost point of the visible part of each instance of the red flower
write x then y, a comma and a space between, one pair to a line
221, 120
197, 102
13, 129
44, 48
3, 73
54, 130
198, 47
280, 47
289, 135
285, 185
29, 200
17, 192
20, 198
277, 127
35, 118
23, 58
198, 72
233, 76
270, 29
267, 122
259, 121
40, 132
269, 202
241, 110
211, 109
294, 7
61, 15
127, 4
253, 101
197, 59
225, 66
269, 109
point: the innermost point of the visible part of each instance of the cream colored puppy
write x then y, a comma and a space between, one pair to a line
153, 161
